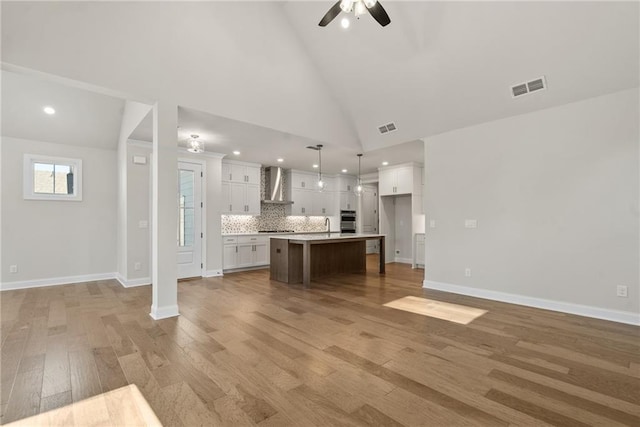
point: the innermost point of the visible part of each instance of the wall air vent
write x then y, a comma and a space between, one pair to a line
390, 127
528, 87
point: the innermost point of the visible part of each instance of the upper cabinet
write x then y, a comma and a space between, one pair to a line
248, 173
403, 179
240, 188
306, 197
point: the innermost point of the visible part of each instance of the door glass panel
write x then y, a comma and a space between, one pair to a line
186, 213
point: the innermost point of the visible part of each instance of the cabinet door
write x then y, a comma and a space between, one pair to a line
226, 172
227, 205
348, 201
253, 175
404, 180
245, 255
230, 256
386, 182
236, 173
301, 201
419, 253
237, 197
260, 254
328, 204
252, 193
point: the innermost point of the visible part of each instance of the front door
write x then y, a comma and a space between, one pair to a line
189, 220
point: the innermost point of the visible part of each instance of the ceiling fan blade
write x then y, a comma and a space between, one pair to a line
330, 15
379, 14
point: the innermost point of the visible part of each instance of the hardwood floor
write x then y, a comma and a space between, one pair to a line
249, 351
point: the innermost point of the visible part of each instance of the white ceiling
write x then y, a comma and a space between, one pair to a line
82, 117
286, 82
261, 145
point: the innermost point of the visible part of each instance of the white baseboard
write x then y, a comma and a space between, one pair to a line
54, 281
132, 283
564, 307
403, 260
213, 273
164, 312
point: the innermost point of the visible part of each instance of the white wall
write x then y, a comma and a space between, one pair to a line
58, 239
138, 209
555, 194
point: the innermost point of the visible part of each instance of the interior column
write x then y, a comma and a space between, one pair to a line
164, 211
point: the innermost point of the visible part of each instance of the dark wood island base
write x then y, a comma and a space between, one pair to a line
301, 259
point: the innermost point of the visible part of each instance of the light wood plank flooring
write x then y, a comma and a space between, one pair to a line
247, 351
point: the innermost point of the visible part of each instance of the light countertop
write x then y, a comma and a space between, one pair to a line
327, 236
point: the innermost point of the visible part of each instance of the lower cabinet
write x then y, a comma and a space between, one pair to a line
245, 251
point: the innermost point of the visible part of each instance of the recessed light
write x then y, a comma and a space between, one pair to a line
280, 160
344, 171
345, 23
385, 163
315, 166
237, 153
49, 110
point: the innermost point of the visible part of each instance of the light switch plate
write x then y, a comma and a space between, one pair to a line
13, 269
432, 223
139, 160
470, 223
143, 224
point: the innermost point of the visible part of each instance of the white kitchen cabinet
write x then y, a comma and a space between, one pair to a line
240, 198
302, 201
406, 179
245, 251
322, 203
346, 183
348, 201
303, 180
229, 252
248, 173
245, 255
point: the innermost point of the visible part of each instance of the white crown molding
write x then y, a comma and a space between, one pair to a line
55, 281
564, 307
158, 313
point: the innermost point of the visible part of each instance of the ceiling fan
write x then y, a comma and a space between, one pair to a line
359, 7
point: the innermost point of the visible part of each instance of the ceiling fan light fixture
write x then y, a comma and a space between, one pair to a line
360, 8
195, 145
369, 3
346, 5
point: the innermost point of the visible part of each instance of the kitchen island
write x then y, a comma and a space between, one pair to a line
302, 258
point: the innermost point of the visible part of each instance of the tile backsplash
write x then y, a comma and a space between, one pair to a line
272, 217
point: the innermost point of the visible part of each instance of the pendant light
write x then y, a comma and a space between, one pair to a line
320, 181
195, 145
358, 189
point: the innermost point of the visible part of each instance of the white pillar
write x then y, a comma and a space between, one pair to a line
164, 211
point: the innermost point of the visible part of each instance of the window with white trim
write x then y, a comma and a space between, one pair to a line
52, 178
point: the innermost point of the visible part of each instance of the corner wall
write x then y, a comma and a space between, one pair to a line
555, 194
58, 241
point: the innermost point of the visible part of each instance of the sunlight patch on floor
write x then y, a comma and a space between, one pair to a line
438, 309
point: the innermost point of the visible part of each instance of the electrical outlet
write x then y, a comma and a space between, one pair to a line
13, 269
432, 223
397, 252
622, 291
136, 266
467, 272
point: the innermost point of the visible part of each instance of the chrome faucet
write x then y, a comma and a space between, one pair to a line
327, 223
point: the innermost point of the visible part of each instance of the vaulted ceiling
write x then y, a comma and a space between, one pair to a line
438, 66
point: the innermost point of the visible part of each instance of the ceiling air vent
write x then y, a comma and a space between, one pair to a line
528, 87
390, 127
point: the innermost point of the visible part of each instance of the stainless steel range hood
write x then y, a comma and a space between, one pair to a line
274, 188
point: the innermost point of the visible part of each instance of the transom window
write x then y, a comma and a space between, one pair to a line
52, 178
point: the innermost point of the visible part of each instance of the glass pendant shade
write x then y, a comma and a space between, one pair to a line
358, 189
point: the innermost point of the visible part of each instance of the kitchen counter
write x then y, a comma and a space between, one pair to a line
303, 257
276, 233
